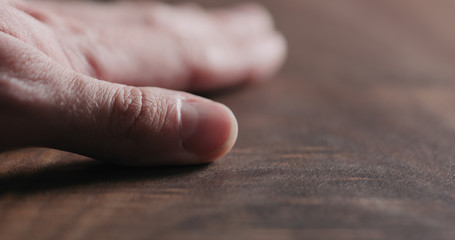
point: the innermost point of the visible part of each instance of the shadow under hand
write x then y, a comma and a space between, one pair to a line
76, 171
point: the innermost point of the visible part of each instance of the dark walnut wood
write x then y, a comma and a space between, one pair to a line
354, 139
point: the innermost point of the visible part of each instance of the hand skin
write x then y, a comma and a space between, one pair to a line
106, 80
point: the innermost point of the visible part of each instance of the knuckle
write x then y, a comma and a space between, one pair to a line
137, 115
127, 110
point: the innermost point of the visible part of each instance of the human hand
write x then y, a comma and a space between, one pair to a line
92, 78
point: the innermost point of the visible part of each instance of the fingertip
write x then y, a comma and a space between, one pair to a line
209, 129
230, 140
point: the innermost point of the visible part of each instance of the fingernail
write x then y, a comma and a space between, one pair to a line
209, 129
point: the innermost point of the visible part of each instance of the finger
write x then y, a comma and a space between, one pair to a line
246, 19
183, 48
128, 125
254, 15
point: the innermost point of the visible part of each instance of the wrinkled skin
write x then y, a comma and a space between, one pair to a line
106, 80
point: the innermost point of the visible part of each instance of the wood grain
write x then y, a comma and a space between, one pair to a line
354, 139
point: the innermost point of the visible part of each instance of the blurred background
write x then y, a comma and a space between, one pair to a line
392, 39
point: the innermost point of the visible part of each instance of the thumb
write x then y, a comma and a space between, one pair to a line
123, 124
141, 125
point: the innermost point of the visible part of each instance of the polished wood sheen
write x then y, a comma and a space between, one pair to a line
354, 139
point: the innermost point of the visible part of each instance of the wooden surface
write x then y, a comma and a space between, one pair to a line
353, 140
